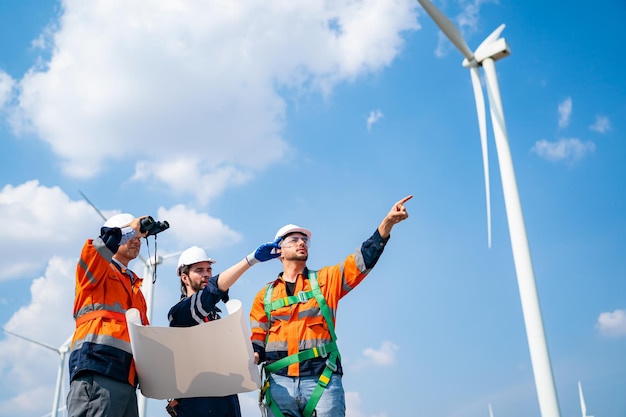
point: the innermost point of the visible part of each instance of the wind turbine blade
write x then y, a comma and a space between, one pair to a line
493, 36
447, 27
482, 127
583, 406
171, 255
490, 411
31, 340
93, 205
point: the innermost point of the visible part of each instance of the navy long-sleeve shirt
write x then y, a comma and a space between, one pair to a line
191, 311
199, 307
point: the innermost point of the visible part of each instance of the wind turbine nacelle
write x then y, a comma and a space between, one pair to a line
158, 261
495, 50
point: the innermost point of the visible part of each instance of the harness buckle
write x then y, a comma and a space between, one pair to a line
264, 388
302, 297
321, 349
332, 366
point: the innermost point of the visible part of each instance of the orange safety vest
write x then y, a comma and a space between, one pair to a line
104, 293
299, 327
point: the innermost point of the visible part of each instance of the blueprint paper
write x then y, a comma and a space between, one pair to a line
212, 359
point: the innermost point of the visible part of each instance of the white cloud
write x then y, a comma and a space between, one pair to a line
612, 323
467, 22
375, 116
6, 87
188, 175
568, 149
383, 356
354, 406
601, 125
185, 81
30, 392
468, 18
193, 228
49, 293
44, 222
443, 45
565, 112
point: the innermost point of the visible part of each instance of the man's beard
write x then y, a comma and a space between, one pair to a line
197, 286
298, 257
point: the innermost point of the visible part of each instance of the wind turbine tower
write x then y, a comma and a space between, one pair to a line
149, 272
488, 52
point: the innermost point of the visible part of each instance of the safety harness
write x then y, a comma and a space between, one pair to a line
328, 350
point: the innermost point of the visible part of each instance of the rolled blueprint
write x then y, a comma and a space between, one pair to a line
208, 360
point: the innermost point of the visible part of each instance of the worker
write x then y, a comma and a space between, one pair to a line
201, 291
293, 321
103, 379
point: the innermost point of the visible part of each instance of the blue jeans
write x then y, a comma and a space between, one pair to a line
292, 393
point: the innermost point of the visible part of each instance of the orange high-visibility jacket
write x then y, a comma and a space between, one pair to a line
301, 326
104, 293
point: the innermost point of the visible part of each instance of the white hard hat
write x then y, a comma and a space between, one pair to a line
119, 220
191, 256
292, 228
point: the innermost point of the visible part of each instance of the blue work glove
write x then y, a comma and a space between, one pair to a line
265, 252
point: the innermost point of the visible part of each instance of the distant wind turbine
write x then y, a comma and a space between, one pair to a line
583, 406
490, 50
62, 351
149, 275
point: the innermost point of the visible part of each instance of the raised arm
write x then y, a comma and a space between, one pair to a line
397, 214
265, 252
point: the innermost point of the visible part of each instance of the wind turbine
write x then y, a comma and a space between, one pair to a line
490, 50
583, 406
62, 351
490, 411
149, 275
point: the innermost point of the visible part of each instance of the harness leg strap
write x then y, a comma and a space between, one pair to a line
322, 383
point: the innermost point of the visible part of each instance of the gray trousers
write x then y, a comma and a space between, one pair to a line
95, 395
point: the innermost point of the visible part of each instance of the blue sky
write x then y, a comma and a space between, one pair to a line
230, 120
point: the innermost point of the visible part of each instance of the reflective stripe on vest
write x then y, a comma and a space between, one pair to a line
105, 314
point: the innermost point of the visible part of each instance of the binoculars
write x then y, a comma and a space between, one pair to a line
148, 224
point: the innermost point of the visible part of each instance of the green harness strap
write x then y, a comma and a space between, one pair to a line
329, 349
